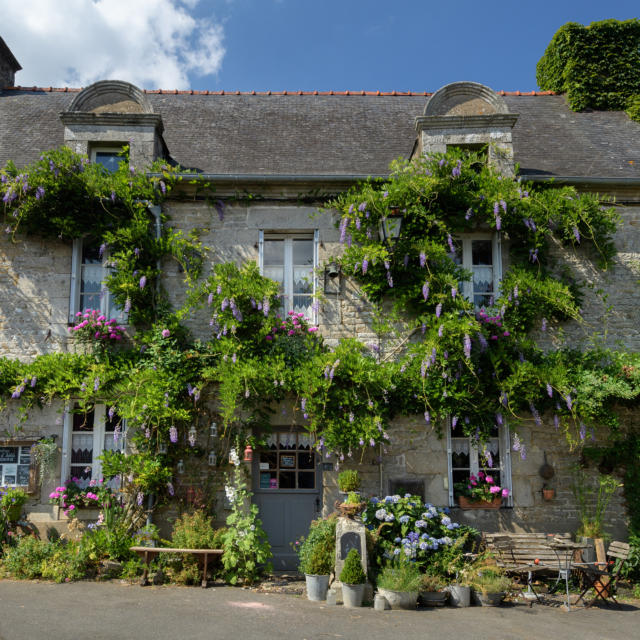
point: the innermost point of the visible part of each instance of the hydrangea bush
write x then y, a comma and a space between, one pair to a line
411, 529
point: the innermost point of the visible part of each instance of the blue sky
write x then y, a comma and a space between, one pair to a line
290, 44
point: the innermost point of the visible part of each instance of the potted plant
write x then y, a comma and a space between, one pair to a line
432, 593
353, 579
399, 583
548, 493
481, 492
490, 588
351, 506
12, 500
316, 553
349, 480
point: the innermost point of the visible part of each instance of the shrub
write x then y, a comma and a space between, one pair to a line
194, 531
25, 559
400, 576
67, 562
317, 550
349, 480
352, 572
431, 582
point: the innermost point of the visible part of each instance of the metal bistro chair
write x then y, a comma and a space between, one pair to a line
602, 577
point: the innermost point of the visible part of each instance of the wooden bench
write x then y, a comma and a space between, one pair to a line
202, 556
521, 554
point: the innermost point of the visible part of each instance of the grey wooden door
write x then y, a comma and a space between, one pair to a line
287, 486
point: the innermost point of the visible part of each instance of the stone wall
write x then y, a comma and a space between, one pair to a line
418, 455
35, 284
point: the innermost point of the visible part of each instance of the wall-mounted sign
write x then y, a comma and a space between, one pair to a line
287, 462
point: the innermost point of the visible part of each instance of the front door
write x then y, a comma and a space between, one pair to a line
287, 485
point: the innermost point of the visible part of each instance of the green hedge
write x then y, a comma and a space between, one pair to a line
597, 66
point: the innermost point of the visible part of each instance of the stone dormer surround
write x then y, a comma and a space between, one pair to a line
112, 113
468, 114
8, 66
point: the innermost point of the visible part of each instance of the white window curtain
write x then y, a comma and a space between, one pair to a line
291, 260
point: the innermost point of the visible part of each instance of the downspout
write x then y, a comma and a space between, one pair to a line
156, 212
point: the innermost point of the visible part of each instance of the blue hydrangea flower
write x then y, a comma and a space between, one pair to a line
381, 514
404, 519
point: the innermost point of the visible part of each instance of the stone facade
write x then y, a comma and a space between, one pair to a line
35, 289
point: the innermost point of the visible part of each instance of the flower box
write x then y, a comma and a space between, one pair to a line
466, 503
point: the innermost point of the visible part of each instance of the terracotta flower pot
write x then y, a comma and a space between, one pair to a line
466, 503
548, 494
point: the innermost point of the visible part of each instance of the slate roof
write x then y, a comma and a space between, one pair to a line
330, 134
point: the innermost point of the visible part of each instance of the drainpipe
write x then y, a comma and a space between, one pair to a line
156, 212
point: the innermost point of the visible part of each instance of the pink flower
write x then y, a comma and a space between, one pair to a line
166, 333
480, 474
505, 493
495, 489
312, 329
489, 479
474, 483
268, 338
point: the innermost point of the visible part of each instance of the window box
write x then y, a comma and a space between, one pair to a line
466, 503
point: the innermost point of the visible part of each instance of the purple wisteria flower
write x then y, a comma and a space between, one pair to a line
454, 292
549, 390
127, 305
467, 346
34, 380
210, 299
450, 243
425, 290
454, 422
583, 431
170, 489
143, 282
438, 309
112, 412
556, 421
427, 417
362, 206
423, 259
576, 234
39, 193
96, 383
365, 265
173, 434
140, 498
543, 327
343, 229
569, 402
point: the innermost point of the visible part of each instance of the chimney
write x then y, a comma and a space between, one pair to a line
8, 66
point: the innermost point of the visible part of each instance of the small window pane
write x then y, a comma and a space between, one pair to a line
303, 252
287, 480
273, 252
307, 480
306, 460
25, 455
83, 421
302, 280
481, 253
110, 160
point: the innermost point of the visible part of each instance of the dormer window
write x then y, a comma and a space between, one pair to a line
109, 157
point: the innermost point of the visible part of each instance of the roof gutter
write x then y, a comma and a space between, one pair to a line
570, 180
257, 178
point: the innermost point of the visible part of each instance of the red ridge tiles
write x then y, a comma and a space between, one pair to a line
222, 92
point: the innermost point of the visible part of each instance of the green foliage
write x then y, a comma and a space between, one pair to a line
630, 569
24, 560
597, 66
352, 571
349, 480
246, 549
407, 528
68, 562
194, 531
592, 513
12, 498
317, 551
401, 575
488, 581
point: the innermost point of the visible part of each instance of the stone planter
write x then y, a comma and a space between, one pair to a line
465, 503
488, 599
317, 587
352, 595
400, 599
460, 596
433, 598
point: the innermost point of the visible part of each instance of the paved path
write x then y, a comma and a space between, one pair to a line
114, 611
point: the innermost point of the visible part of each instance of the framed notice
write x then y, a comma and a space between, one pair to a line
287, 462
8, 455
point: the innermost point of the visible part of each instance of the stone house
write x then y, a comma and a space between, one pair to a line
292, 150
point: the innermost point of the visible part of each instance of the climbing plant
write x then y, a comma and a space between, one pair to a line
449, 360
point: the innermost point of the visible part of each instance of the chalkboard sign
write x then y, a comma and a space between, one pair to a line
8, 455
23, 475
348, 541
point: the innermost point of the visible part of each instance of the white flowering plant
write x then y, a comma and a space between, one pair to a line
411, 529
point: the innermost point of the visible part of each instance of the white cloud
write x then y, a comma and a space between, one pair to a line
151, 43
